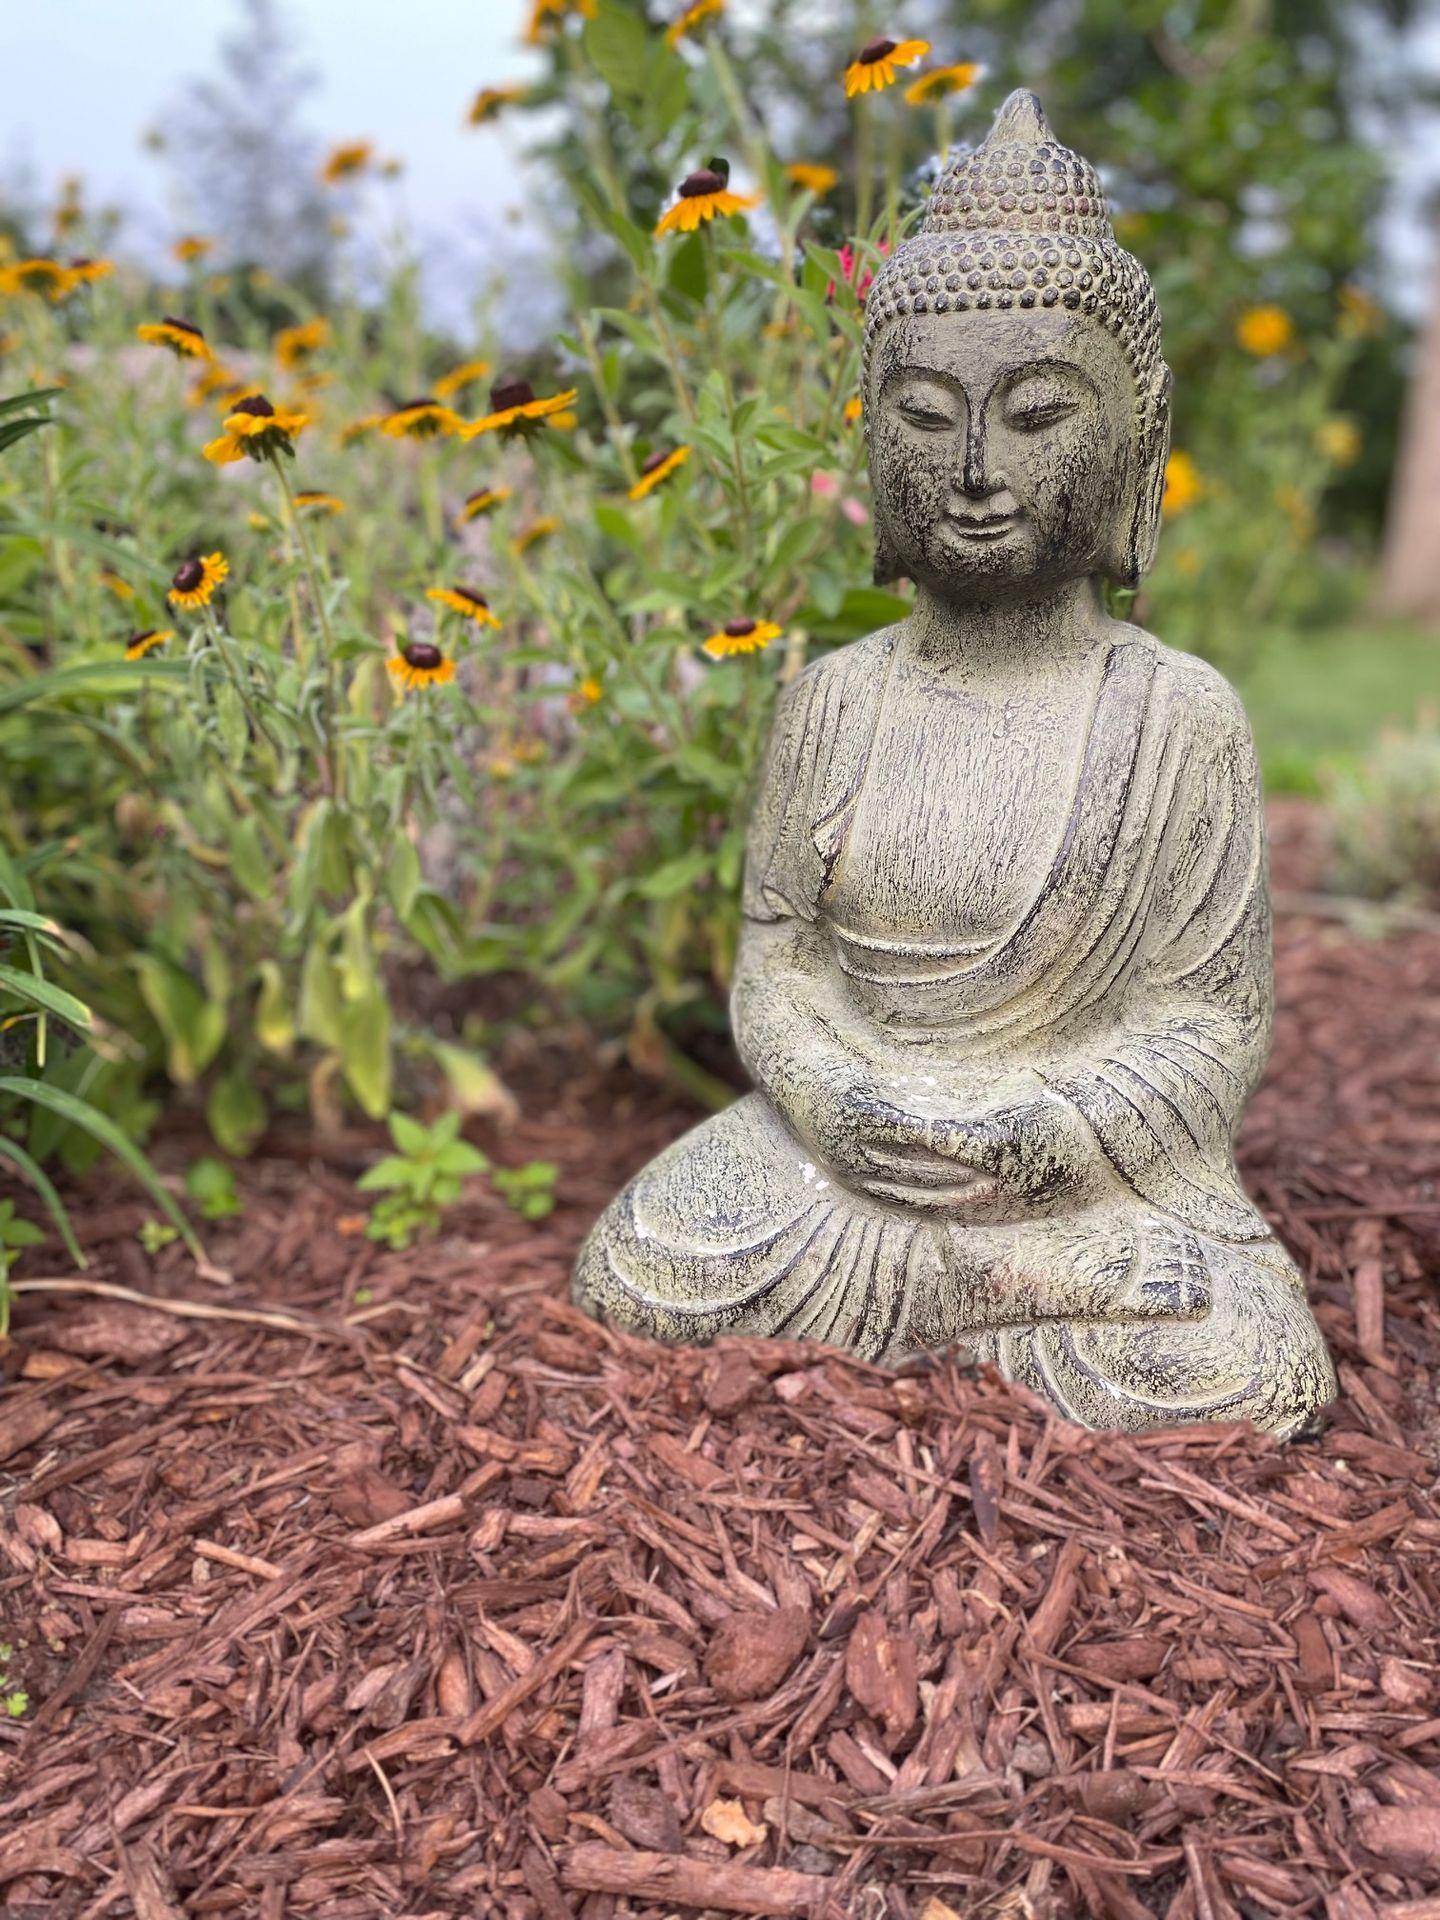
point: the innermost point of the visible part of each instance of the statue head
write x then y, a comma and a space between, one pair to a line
1016, 401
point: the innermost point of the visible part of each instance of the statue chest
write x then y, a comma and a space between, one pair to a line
963, 805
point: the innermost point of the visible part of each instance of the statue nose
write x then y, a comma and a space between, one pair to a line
976, 477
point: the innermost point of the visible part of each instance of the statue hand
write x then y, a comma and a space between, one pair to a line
1035, 1149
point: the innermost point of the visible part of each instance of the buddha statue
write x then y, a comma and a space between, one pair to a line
1004, 981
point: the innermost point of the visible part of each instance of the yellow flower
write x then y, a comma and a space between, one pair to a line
48, 277
547, 14
294, 344
940, 82
464, 600
319, 502
657, 468
1265, 331
690, 17
195, 582
515, 410
483, 500
874, 66
741, 636
1183, 485
1339, 440
345, 161
216, 382
536, 531
112, 583
256, 429
191, 247
357, 429
852, 410
139, 644
84, 271
182, 337
703, 195
490, 102
462, 376
812, 177
420, 664
1361, 315
586, 694
422, 419
1298, 511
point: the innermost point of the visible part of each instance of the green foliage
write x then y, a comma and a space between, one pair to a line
420, 1179
15, 1235
530, 1189
210, 1183
1386, 815
155, 1235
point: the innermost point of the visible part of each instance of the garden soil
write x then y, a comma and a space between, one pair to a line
406, 1591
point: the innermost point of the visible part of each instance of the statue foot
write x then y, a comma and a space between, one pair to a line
1170, 1281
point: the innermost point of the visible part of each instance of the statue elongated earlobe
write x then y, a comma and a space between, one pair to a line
887, 561
1138, 533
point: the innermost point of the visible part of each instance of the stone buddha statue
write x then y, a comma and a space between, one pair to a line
1004, 982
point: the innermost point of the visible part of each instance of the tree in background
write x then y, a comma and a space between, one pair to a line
1410, 570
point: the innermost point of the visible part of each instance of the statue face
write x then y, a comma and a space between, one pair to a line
1000, 449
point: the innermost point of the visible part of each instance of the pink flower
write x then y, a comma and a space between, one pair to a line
855, 512
849, 260
825, 484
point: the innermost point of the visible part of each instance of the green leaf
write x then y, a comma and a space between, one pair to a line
112, 678
274, 1022
32, 1171
32, 990
318, 1012
81, 1114
235, 1113
616, 524
408, 1134
617, 46
193, 1026
673, 877
364, 1048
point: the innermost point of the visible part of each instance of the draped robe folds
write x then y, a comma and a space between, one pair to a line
1134, 984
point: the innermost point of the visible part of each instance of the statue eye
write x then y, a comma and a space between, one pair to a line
1031, 415
920, 414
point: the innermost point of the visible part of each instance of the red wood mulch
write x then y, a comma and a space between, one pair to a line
456, 1605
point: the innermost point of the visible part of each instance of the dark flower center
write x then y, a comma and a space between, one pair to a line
188, 577
654, 460
423, 654
139, 639
255, 403
705, 181
480, 495
737, 629
413, 406
511, 393
874, 50
475, 599
80, 264
185, 326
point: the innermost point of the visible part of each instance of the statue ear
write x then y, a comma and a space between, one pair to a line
1137, 535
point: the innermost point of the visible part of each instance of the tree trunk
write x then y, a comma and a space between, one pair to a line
1410, 564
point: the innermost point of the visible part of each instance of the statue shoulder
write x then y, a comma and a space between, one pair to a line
846, 673
1195, 692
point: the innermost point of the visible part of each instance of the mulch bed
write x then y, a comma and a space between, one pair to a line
452, 1603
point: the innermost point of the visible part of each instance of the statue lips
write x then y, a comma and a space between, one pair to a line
982, 526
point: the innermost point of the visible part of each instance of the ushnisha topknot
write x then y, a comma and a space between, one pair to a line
1022, 222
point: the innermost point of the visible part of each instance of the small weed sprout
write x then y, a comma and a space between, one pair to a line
530, 1189
211, 1185
420, 1179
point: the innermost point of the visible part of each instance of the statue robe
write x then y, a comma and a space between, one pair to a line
1135, 982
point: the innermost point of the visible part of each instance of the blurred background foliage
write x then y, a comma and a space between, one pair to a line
286, 883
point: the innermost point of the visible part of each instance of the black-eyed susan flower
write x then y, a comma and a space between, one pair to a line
514, 410
315, 501
112, 583
743, 635
354, 430
458, 378
530, 536
657, 469
852, 410
875, 65
345, 161
85, 271
420, 664
182, 337
139, 644
702, 196
547, 15
941, 82
490, 102
587, 693
812, 177
423, 419
51, 278
482, 501
190, 248
257, 430
214, 383
690, 17
293, 345
196, 579
464, 601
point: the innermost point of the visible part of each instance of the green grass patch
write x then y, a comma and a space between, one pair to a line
1321, 697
